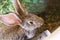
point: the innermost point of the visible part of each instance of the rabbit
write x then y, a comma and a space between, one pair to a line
10, 29
30, 22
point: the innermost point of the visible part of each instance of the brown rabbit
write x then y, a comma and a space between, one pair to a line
30, 22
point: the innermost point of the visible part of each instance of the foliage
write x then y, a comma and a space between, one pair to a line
6, 6
29, 5
33, 5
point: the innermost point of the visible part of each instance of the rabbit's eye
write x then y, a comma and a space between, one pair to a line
30, 22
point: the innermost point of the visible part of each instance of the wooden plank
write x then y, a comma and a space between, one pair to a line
55, 35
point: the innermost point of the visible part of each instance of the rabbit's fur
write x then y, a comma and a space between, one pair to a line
30, 23
11, 32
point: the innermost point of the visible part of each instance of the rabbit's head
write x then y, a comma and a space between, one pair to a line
31, 22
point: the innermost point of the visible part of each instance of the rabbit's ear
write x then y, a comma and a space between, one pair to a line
10, 19
18, 8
